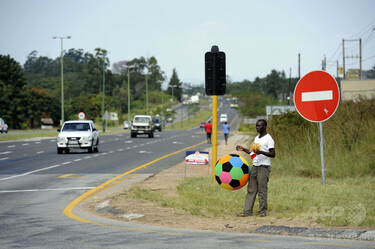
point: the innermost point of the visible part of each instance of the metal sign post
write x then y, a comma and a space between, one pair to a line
316, 98
322, 153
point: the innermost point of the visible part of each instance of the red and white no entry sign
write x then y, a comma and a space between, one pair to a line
316, 96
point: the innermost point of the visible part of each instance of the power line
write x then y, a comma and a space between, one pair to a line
367, 28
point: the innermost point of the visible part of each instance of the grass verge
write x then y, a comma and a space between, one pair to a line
341, 203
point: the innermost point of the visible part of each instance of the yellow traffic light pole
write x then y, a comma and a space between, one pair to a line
214, 135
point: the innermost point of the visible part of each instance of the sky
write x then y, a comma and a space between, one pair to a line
256, 36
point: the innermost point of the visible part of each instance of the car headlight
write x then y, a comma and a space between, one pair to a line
86, 139
61, 139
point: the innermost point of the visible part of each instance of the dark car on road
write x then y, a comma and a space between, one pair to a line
158, 124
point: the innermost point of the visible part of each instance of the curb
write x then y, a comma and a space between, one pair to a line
317, 232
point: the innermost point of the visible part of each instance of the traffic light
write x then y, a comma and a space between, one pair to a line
215, 74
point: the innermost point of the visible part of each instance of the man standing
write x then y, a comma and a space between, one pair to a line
208, 128
258, 181
226, 132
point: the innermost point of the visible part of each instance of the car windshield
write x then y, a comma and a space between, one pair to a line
156, 120
141, 119
76, 127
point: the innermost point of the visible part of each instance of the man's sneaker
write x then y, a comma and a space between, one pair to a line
244, 215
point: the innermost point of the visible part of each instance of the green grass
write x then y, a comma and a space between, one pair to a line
28, 134
295, 188
341, 202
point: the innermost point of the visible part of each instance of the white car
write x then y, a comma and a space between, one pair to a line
79, 134
223, 118
126, 125
3, 126
142, 125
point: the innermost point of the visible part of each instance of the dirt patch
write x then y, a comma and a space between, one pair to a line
119, 207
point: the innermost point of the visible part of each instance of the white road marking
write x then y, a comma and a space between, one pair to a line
48, 189
40, 152
129, 142
5, 152
65, 163
31, 172
317, 96
25, 144
5, 158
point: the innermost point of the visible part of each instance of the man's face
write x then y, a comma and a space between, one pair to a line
259, 126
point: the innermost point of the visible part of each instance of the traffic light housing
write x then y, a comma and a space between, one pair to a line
215, 74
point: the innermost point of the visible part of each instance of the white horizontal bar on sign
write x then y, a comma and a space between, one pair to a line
317, 96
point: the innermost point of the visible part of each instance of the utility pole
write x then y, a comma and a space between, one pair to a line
324, 64
289, 83
343, 58
360, 58
299, 66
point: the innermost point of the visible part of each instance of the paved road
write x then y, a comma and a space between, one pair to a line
37, 185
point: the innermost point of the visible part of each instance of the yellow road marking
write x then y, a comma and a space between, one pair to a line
69, 176
68, 211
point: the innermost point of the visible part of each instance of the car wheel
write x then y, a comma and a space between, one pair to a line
133, 135
151, 135
67, 151
91, 149
96, 149
59, 151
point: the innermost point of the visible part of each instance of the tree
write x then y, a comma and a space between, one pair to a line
174, 85
273, 83
43, 105
14, 100
40, 65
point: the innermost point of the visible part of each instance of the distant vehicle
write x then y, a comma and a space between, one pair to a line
234, 102
202, 124
126, 125
223, 118
158, 123
142, 124
169, 119
3, 126
78, 134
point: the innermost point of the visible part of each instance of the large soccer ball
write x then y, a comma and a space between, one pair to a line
232, 172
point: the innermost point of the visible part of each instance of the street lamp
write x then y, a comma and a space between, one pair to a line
129, 92
62, 74
172, 86
147, 91
103, 105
